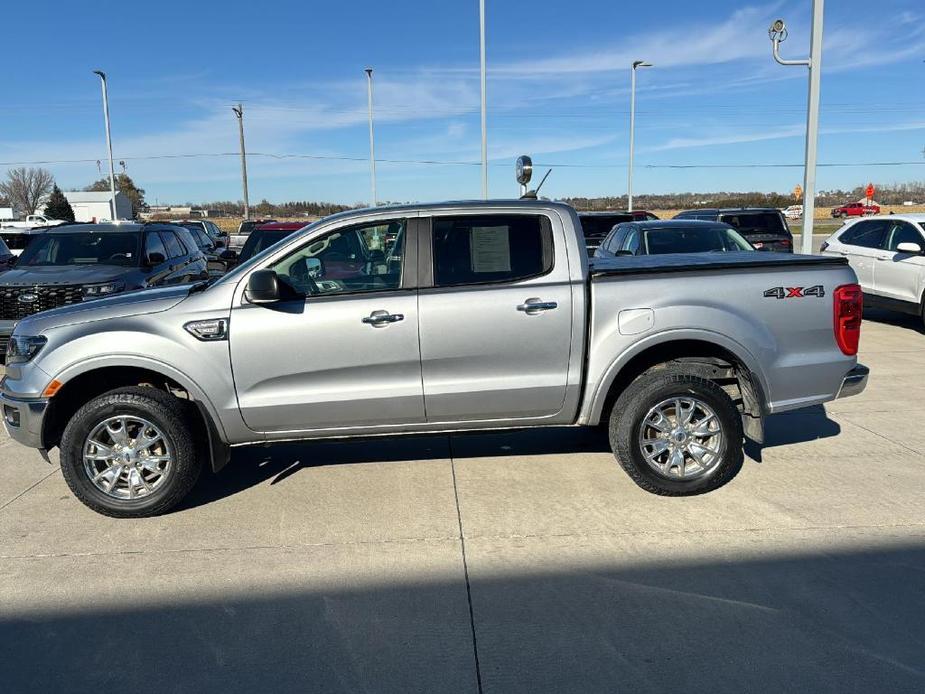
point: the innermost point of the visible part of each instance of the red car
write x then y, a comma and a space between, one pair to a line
855, 209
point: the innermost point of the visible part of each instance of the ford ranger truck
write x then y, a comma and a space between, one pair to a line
433, 318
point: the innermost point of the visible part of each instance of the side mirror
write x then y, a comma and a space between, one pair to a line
263, 287
219, 244
228, 255
909, 247
156, 258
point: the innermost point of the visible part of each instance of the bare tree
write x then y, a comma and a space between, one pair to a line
25, 188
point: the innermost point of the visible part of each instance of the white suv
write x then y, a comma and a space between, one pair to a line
888, 255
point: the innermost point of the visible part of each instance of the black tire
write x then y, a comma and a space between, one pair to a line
169, 414
647, 391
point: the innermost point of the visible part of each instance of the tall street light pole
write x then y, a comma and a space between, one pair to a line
112, 173
239, 113
372, 139
629, 176
484, 97
778, 33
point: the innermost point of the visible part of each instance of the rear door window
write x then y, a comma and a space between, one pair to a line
490, 248
865, 234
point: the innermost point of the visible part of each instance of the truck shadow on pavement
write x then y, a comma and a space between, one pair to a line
276, 462
788, 428
834, 620
900, 320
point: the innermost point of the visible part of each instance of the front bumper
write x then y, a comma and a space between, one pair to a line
854, 382
23, 419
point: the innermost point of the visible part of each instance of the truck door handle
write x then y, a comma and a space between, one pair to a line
534, 305
380, 318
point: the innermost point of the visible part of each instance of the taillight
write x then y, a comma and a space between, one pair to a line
849, 303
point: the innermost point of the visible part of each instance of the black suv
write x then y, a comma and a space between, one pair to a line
70, 264
596, 225
764, 227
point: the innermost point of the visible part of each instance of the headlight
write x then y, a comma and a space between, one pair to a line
23, 347
94, 290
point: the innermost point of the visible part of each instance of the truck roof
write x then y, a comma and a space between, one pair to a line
453, 205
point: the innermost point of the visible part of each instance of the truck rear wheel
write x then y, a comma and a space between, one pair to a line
129, 453
676, 434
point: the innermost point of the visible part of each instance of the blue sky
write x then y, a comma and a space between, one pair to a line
558, 90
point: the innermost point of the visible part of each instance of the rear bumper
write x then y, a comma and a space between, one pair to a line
23, 419
854, 382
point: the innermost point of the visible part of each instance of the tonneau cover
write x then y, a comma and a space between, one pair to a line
696, 262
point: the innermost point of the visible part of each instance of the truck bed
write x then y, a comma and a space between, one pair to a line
696, 262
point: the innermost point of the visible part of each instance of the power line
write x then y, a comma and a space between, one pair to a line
449, 162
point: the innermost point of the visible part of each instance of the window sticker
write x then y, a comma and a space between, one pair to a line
490, 249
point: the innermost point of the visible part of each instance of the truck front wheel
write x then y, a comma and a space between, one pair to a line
676, 434
129, 453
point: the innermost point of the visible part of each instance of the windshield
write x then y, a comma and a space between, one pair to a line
756, 222
83, 248
694, 240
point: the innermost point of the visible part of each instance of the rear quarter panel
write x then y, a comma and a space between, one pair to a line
788, 344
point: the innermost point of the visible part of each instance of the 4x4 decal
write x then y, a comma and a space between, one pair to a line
816, 290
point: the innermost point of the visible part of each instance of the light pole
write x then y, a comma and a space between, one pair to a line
112, 173
239, 113
372, 139
778, 33
484, 98
629, 176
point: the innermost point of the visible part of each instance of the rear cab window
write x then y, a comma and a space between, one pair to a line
486, 249
757, 222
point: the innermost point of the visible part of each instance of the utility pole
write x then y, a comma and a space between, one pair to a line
372, 139
778, 33
484, 98
112, 173
629, 175
239, 112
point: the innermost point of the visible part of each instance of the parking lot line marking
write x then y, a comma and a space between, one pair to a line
29, 488
462, 544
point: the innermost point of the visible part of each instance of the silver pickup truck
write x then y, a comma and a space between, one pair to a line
433, 318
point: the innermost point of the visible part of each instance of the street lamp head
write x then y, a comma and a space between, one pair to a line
368, 71
778, 30
641, 63
100, 73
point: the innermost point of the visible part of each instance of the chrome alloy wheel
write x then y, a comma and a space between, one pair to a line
127, 457
682, 438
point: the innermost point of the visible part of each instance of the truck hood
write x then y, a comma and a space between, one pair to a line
127, 304
62, 275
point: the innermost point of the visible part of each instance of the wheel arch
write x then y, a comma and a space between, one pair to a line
708, 354
83, 382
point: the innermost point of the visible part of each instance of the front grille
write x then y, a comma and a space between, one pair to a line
19, 302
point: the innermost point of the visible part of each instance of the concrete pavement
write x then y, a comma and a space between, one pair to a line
507, 562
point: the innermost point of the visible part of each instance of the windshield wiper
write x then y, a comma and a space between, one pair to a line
202, 286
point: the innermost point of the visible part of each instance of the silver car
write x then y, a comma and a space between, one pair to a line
888, 255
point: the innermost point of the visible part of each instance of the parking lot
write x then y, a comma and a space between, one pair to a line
501, 562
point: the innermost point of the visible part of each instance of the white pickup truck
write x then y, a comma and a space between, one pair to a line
31, 221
